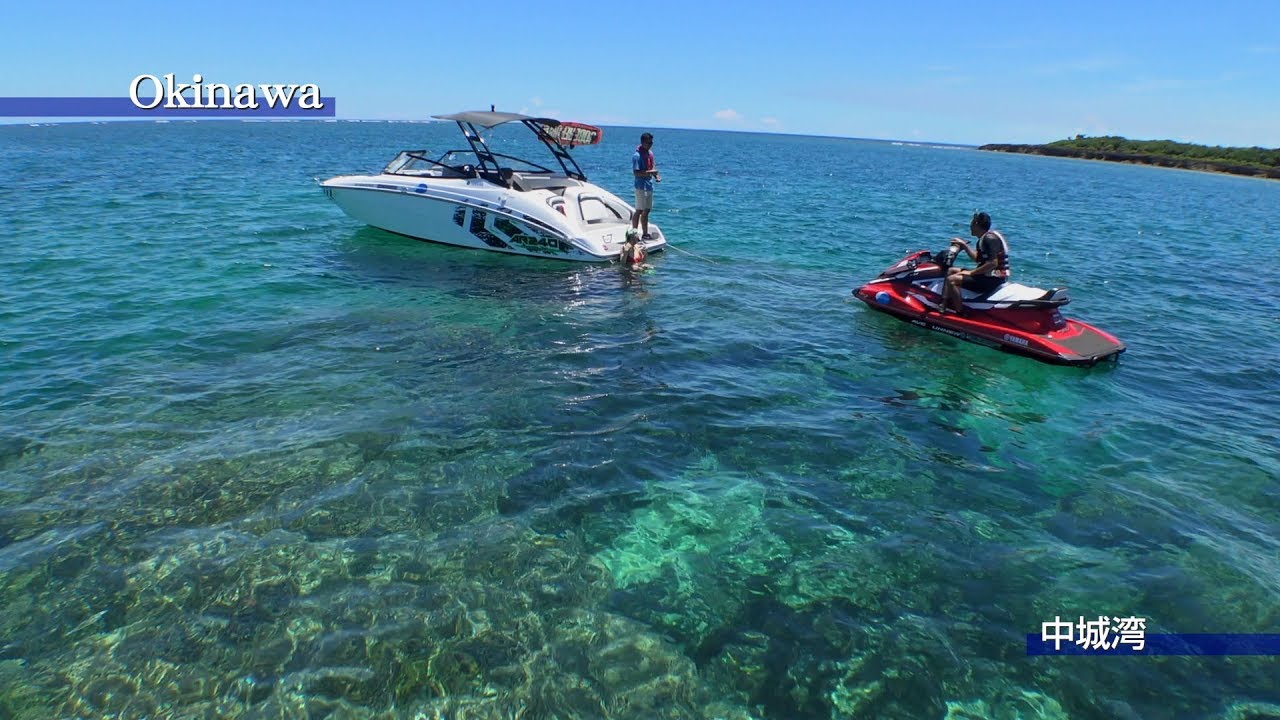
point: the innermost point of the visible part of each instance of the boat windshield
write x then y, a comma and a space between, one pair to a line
417, 163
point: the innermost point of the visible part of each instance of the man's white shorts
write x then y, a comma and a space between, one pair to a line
644, 199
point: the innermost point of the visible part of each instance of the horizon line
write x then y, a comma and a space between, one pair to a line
38, 122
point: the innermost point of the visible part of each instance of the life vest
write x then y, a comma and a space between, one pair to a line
646, 158
1002, 256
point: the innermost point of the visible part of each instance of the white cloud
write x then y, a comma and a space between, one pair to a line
534, 107
729, 115
539, 112
771, 122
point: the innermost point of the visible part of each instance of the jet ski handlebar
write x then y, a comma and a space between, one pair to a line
946, 258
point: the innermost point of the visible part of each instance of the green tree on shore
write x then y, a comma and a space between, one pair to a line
1248, 157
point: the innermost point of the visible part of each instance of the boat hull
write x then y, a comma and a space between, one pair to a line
478, 215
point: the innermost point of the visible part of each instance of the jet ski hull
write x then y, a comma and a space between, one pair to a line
1039, 332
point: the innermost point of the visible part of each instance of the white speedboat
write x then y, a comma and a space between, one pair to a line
478, 198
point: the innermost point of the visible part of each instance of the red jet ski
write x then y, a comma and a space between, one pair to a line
1014, 318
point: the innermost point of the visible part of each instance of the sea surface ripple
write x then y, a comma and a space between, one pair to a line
259, 460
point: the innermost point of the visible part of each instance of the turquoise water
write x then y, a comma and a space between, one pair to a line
258, 460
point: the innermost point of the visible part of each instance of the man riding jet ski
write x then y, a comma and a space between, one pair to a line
992, 257
994, 312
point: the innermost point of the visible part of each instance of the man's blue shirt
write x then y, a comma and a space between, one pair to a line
643, 182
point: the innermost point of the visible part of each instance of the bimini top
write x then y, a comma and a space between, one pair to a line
488, 119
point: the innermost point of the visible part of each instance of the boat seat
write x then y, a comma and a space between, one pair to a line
510, 179
553, 183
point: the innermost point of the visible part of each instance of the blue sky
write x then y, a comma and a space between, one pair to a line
969, 73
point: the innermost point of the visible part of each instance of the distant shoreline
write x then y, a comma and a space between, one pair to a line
1141, 158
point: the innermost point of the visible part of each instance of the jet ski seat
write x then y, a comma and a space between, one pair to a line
1015, 295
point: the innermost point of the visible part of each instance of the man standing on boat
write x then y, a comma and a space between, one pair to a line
646, 173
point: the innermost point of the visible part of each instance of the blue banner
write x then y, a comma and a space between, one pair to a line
123, 107
1178, 644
